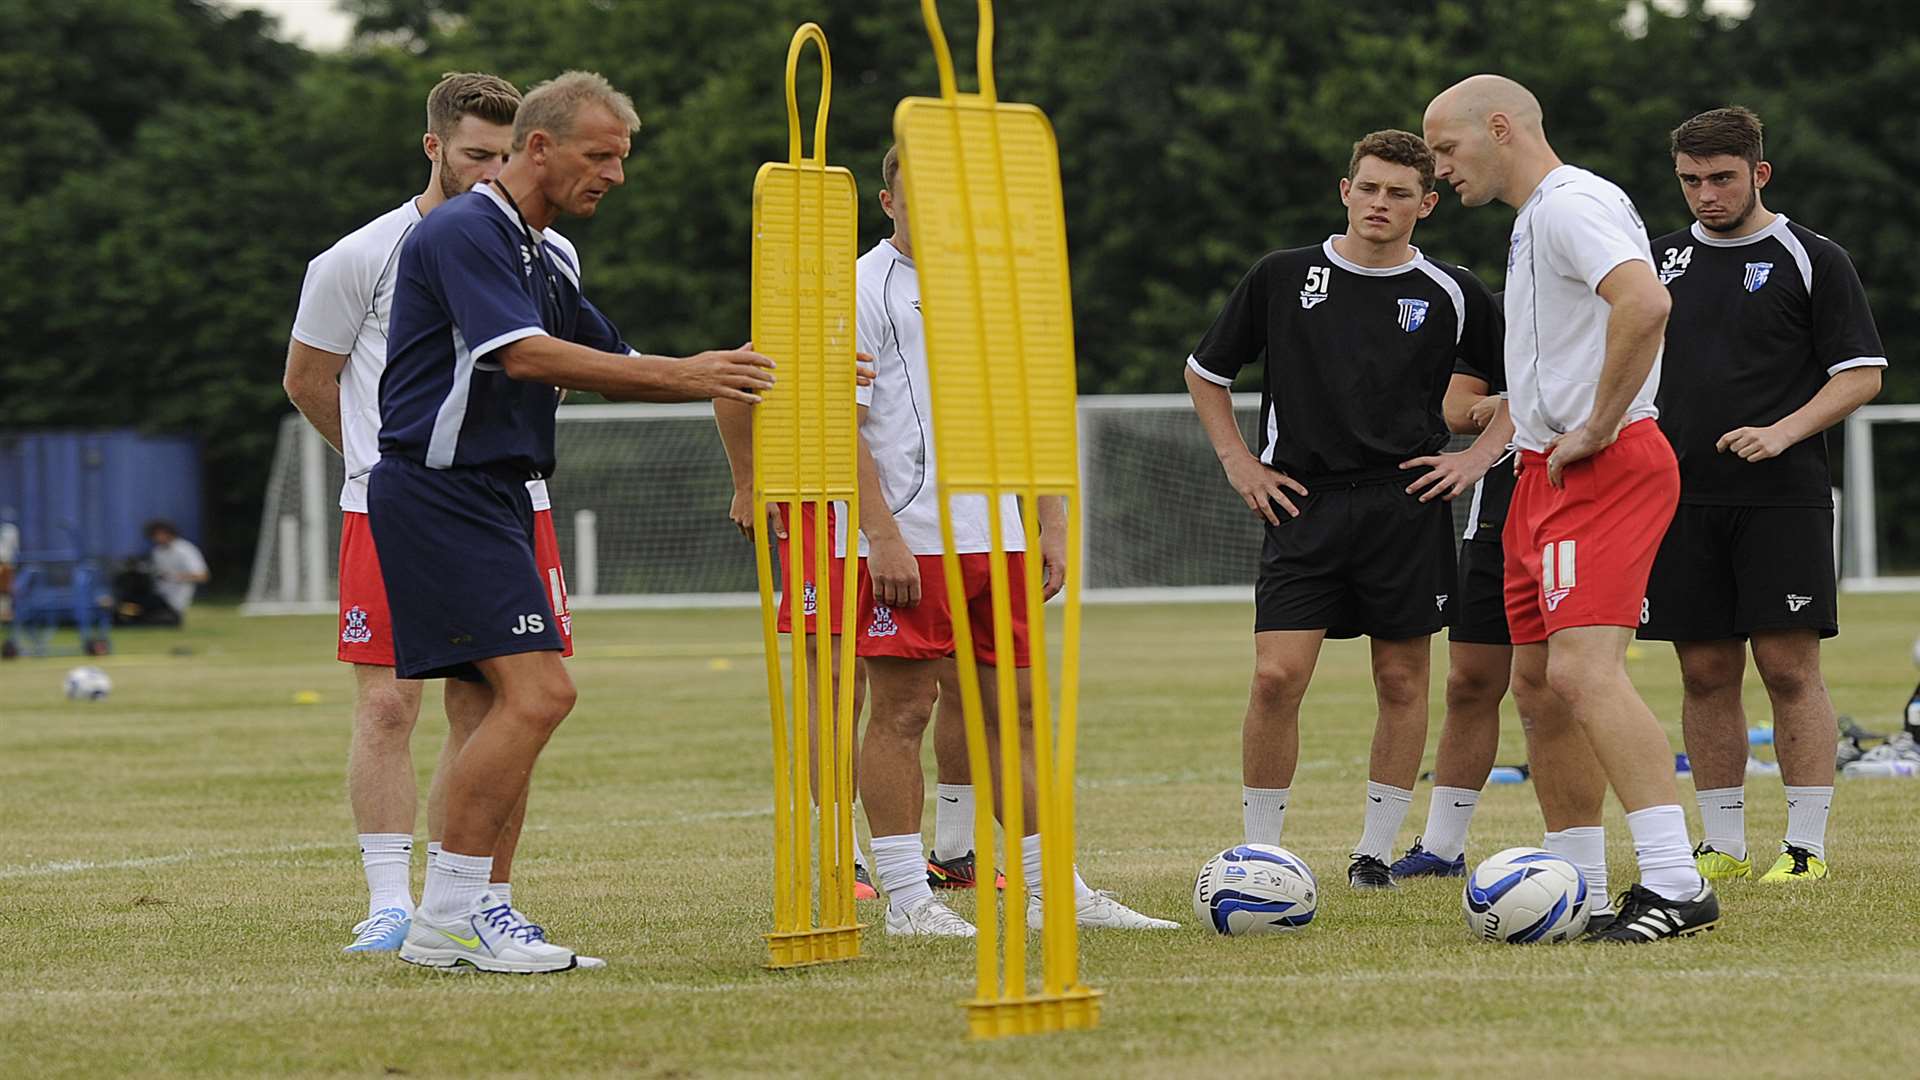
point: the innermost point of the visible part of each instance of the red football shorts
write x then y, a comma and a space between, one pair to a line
836, 573
925, 631
366, 630
1579, 555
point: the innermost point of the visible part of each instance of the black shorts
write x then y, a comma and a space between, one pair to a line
1727, 571
1477, 611
1369, 560
456, 552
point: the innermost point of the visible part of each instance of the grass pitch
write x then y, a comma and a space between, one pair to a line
178, 874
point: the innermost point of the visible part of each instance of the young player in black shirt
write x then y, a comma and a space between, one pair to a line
1770, 343
1360, 336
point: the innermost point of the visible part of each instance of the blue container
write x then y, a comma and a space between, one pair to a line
86, 494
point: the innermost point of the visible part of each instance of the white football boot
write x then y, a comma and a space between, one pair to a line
489, 938
1098, 910
928, 918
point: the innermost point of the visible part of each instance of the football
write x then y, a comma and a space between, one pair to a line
1255, 889
88, 684
1524, 895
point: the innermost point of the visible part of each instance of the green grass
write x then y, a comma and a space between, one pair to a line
177, 875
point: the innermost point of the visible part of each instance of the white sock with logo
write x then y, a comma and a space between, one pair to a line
902, 869
1386, 810
1448, 814
454, 886
1807, 818
1263, 814
387, 859
1723, 819
502, 891
1030, 870
1666, 859
433, 854
952, 821
1585, 846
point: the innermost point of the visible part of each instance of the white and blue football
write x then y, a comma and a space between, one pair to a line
88, 684
1255, 889
1524, 895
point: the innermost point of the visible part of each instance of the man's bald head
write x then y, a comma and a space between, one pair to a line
1485, 130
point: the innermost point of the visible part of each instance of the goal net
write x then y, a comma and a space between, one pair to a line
641, 496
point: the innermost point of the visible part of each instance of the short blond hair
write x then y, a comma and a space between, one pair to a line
554, 105
460, 94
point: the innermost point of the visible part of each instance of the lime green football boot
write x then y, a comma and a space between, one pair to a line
1795, 864
1720, 866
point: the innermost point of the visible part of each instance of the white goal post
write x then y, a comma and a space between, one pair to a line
641, 495
1862, 529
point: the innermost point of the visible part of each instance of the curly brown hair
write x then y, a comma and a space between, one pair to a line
1397, 147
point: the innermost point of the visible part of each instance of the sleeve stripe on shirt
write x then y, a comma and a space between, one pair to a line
1800, 257
1193, 363
507, 338
1459, 298
1857, 362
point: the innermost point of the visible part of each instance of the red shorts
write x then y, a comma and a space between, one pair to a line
925, 631
1579, 555
366, 630
836, 574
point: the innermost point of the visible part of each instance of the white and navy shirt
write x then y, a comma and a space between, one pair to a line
1759, 324
1574, 230
472, 279
346, 307
898, 426
1357, 358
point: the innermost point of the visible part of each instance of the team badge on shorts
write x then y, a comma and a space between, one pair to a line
357, 631
1413, 314
1757, 275
809, 600
883, 624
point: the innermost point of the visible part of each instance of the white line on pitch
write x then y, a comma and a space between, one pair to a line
81, 866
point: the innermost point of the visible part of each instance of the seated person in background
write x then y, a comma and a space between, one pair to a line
178, 566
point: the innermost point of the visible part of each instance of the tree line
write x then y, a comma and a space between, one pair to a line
169, 166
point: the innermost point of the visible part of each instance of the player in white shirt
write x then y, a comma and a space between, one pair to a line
340, 334
904, 630
1597, 487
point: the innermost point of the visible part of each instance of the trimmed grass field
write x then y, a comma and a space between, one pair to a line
178, 873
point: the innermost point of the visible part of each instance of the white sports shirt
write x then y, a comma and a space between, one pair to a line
1575, 229
899, 424
346, 304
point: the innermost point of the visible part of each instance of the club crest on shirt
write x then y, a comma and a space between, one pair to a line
1757, 274
1318, 279
357, 632
883, 624
1413, 313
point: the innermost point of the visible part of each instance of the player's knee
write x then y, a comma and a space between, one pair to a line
1789, 680
1400, 688
1575, 680
386, 713
1469, 688
1714, 674
1279, 681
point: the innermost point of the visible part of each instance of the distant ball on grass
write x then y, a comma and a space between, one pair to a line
88, 684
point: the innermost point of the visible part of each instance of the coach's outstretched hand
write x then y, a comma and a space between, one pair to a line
734, 374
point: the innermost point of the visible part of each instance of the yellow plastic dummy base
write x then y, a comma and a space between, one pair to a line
1075, 1010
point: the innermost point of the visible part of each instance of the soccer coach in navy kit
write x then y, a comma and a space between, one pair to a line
487, 321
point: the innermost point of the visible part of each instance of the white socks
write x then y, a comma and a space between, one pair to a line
902, 869
502, 891
1030, 870
952, 821
388, 861
1807, 818
1585, 847
1723, 819
1448, 814
859, 856
455, 885
1263, 811
1386, 809
1666, 859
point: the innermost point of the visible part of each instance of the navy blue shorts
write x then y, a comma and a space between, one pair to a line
456, 550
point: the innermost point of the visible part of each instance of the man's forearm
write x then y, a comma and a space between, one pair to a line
735, 421
1842, 394
1496, 436
876, 517
1213, 403
321, 406
1634, 331
553, 362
